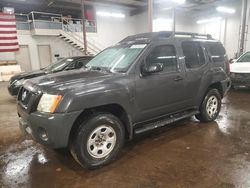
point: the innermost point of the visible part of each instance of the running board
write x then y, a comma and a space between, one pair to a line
160, 123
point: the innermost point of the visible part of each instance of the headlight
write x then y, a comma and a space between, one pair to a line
18, 82
48, 103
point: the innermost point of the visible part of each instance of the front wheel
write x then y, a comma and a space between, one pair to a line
97, 141
210, 107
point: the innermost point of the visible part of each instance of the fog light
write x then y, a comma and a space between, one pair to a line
43, 134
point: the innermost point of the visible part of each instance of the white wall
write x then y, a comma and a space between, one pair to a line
140, 23
112, 30
57, 46
7, 56
226, 30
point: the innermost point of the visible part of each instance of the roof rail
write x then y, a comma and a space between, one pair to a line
194, 35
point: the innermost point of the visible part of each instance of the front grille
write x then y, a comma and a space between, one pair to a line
244, 76
24, 97
28, 99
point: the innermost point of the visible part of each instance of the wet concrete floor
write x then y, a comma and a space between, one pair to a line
185, 154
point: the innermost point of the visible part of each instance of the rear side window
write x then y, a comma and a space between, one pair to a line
194, 55
165, 55
216, 50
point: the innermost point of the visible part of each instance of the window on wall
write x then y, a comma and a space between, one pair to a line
194, 56
165, 55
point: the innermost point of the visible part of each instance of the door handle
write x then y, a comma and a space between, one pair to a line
178, 78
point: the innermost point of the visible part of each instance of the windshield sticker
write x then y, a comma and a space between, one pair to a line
70, 60
138, 46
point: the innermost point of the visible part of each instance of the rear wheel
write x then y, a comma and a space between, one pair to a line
210, 107
97, 141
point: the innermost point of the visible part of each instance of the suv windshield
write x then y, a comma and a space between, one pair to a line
245, 58
116, 59
59, 65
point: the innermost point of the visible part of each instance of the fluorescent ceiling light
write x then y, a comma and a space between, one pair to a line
214, 19
179, 1
110, 14
226, 10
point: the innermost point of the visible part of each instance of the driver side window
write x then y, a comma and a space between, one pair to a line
164, 55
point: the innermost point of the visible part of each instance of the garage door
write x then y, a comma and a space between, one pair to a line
23, 58
44, 53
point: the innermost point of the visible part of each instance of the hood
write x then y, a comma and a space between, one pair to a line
240, 67
68, 81
27, 75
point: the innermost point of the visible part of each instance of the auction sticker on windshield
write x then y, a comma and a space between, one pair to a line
138, 46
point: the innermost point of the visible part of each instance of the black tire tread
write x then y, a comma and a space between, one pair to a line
85, 127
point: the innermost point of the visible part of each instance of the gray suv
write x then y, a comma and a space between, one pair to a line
144, 82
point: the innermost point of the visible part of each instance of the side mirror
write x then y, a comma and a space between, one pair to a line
157, 67
231, 61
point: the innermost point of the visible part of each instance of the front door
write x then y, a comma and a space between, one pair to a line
163, 92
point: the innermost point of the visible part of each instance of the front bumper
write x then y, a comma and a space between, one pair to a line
52, 130
239, 79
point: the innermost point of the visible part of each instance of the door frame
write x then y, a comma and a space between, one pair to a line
39, 53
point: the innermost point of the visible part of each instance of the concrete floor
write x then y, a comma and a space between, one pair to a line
186, 154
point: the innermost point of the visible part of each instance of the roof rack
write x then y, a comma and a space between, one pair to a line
194, 35
148, 37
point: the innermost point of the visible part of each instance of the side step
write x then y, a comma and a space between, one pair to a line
165, 121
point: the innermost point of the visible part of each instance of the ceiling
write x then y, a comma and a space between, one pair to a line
71, 7
66, 6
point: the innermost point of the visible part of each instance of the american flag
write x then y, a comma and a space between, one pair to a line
8, 33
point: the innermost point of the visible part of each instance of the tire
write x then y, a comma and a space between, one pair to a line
97, 141
210, 107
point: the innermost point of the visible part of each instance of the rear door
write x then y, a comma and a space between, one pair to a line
196, 65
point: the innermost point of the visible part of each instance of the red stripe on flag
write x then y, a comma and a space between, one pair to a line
6, 14
7, 20
8, 38
8, 32
9, 44
9, 50
7, 26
